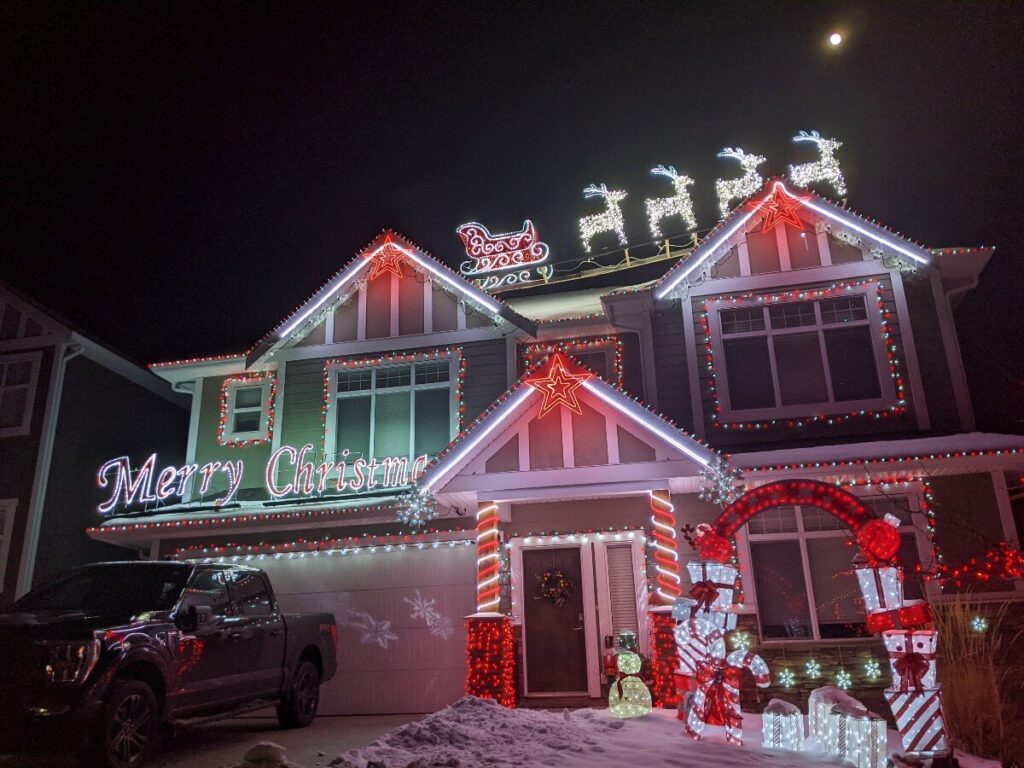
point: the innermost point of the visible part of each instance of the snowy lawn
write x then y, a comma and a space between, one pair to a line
476, 732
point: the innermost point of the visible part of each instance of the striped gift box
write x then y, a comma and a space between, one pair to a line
919, 718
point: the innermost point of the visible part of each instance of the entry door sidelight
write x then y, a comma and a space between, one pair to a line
554, 635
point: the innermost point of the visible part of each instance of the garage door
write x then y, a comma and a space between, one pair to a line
401, 639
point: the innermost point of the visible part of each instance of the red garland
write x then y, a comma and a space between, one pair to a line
664, 660
490, 661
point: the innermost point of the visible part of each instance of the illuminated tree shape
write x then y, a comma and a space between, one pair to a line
628, 697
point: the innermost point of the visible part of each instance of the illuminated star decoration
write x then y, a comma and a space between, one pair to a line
559, 386
780, 208
387, 259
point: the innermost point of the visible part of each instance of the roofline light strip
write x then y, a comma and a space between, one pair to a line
344, 281
595, 389
478, 296
452, 461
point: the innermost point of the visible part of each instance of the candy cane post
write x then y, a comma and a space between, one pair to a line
666, 547
488, 563
717, 700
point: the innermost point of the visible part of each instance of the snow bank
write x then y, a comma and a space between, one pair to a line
477, 732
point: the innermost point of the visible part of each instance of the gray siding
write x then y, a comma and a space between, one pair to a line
931, 355
486, 376
672, 375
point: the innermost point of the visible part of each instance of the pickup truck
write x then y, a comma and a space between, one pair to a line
108, 658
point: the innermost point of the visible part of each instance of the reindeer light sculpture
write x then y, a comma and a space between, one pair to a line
826, 169
609, 220
743, 187
660, 207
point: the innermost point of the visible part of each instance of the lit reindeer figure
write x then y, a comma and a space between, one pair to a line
743, 187
826, 169
609, 220
660, 207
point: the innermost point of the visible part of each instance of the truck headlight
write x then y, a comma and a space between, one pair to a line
71, 663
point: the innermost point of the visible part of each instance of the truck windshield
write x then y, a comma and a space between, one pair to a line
123, 589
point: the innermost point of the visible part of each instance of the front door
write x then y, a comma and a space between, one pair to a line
554, 636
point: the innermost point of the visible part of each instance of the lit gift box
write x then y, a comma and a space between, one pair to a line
685, 607
857, 736
713, 585
819, 707
913, 614
920, 721
882, 588
782, 726
912, 658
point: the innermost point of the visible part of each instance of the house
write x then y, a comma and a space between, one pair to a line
66, 403
558, 444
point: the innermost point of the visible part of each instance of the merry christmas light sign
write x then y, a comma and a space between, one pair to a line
130, 486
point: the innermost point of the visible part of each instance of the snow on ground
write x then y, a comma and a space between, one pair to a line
478, 733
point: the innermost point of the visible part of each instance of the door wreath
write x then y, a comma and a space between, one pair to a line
553, 585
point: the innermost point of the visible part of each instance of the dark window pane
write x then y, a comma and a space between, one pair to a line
433, 421
248, 397
18, 372
208, 589
781, 593
843, 309
391, 425
816, 519
249, 592
12, 406
892, 505
247, 422
742, 320
354, 381
393, 377
776, 520
792, 315
750, 373
801, 374
908, 558
851, 361
353, 428
432, 372
837, 599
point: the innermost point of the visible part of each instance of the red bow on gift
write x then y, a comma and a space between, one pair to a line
715, 678
911, 667
705, 593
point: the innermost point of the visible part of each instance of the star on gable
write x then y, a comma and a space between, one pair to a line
780, 208
559, 385
387, 259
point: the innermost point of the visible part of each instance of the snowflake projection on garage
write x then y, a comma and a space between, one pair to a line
372, 631
425, 609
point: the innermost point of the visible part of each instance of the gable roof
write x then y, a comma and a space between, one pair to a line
715, 244
308, 313
522, 395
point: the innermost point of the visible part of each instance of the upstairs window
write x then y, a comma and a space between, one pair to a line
247, 409
18, 376
793, 358
405, 410
602, 355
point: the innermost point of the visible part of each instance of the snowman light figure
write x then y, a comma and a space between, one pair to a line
628, 697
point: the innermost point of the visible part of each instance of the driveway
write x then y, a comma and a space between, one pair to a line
223, 743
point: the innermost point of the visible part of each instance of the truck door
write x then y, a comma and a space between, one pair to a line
260, 639
205, 667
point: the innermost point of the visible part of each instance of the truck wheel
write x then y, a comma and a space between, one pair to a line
298, 709
129, 726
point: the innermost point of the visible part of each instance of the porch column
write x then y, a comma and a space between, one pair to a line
490, 657
664, 657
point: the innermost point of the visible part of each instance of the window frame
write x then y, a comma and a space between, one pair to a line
913, 496
9, 508
888, 397
35, 358
227, 435
332, 395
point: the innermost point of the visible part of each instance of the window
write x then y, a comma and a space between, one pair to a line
246, 409
802, 564
781, 358
402, 410
18, 376
249, 594
208, 589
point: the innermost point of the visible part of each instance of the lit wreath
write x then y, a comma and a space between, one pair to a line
554, 586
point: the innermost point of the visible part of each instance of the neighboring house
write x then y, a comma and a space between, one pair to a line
66, 403
822, 348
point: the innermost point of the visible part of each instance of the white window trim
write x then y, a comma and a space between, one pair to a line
873, 322
26, 416
262, 433
9, 507
331, 447
917, 526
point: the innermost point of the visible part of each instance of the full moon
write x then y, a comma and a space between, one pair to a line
835, 38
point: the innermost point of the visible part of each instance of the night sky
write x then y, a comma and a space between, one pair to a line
176, 178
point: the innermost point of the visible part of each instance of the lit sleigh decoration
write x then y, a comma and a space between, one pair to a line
513, 254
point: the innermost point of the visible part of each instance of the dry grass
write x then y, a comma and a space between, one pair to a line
980, 674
